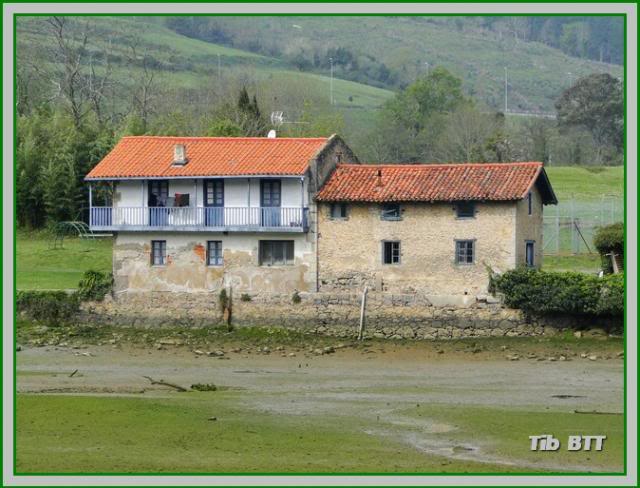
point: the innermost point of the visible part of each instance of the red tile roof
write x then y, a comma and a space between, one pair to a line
433, 182
152, 156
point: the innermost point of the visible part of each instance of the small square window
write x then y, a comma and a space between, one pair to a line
465, 252
338, 211
465, 210
214, 253
158, 253
391, 211
391, 252
276, 252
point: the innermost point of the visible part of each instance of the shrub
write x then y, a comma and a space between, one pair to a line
295, 298
49, 307
541, 292
245, 297
95, 285
610, 238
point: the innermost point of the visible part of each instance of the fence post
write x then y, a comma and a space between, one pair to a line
362, 307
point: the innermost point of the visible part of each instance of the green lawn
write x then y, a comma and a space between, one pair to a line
65, 434
586, 183
585, 263
38, 266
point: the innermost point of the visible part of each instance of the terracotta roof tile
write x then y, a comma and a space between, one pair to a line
152, 156
432, 182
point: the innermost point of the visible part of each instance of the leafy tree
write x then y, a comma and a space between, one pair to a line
224, 128
595, 102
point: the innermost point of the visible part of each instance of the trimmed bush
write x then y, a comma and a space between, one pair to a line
49, 307
610, 239
95, 285
542, 293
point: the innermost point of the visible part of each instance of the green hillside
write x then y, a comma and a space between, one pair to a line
190, 69
537, 73
587, 183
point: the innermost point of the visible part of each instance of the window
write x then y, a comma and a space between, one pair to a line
465, 210
529, 254
391, 211
158, 253
465, 252
276, 252
158, 193
391, 252
338, 211
214, 253
530, 203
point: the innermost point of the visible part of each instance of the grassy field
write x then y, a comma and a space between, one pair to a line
39, 266
164, 435
586, 183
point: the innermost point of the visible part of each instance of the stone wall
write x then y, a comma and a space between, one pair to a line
529, 228
350, 250
396, 316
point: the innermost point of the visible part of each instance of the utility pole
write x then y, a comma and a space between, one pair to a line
218, 68
426, 63
506, 107
331, 83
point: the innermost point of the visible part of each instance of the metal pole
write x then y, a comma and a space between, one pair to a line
557, 230
506, 107
90, 201
362, 308
331, 83
219, 68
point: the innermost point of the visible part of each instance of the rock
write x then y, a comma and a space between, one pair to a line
292, 354
562, 358
328, 350
577, 334
503, 348
171, 342
513, 357
159, 347
620, 354
440, 351
218, 353
280, 348
318, 352
584, 355
18, 348
593, 357
198, 352
552, 358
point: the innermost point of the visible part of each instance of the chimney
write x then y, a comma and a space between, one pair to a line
379, 178
179, 155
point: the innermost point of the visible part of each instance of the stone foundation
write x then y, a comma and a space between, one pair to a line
394, 316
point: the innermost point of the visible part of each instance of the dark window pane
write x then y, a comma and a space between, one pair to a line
465, 210
276, 253
391, 252
390, 211
158, 253
214, 253
464, 252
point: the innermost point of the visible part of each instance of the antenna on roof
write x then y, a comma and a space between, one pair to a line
277, 118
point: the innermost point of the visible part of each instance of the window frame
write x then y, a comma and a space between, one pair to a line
531, 243
220, 257
384, 250
457, 261
163, 250
473, 210
384, 209
263, 244
344, 211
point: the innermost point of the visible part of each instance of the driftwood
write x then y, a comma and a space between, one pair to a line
164, 383
595, 412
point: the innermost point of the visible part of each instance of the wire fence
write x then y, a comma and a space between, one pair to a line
570, 226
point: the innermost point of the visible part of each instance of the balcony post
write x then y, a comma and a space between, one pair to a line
90, 202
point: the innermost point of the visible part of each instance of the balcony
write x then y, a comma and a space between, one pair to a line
209, 219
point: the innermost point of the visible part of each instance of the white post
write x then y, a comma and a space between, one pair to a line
331, 83
90, 201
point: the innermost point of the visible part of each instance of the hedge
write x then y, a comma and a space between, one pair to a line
542, 293
49, 307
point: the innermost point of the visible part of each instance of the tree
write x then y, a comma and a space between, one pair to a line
465, 135
595, 102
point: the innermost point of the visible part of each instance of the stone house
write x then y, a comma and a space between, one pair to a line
200, 213
274, 215
433, 229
